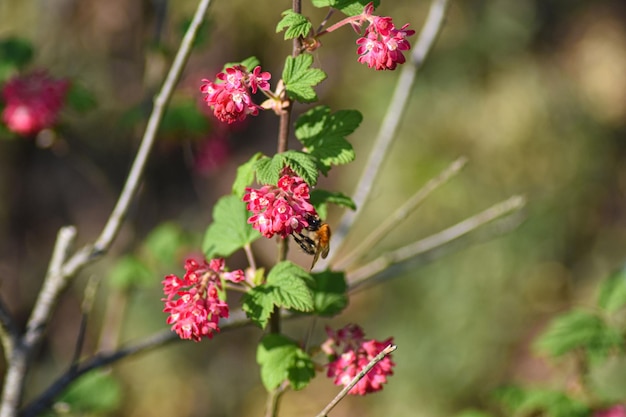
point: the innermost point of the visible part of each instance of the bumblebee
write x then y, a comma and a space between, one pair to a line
314, 239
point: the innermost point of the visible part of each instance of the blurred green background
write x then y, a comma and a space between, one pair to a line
532, 92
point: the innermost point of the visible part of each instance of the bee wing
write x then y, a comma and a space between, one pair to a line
316, 257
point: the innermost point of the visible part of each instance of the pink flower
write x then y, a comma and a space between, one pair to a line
32, 102
350, 352
615, 411
382, 44
230, 96
280, 209
193, 302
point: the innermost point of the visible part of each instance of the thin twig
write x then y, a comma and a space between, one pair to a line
9, 334
424, 249
400, 214
395, 112
386, 351
61, 271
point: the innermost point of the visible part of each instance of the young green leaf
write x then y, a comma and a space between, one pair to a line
258, 304
347, 7
281, 359
95, 393
245, 175
291, 287
249, 63
15, 53
300, 78
323, 135
230, 230
613, 292
329, 293
321, 198
130, 272
296, 24
268, 170
549, 403
579, 329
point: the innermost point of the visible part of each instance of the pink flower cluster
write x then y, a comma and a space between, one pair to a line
350, 352
615, 411
32, 102
193, 301
383, 43
230, 96
281, 209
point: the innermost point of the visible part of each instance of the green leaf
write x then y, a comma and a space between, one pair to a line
329, 293
347, 7
296, 24
130, 272
164, 243
280, 358
230, 230
613, 291
81, 99
249, 63
300, 78
527, 402
258, 304
321, 198
323, 135
579, 329
94, 392
245, 175
15, 54
290, 286
268, 170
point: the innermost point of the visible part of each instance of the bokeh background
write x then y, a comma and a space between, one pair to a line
532, 92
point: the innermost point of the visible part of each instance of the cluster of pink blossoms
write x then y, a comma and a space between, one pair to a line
350, 353
230, 97
281, 209
615, 411
32, 102
193, 301
381, 47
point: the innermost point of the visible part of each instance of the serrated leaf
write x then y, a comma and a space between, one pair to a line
579, 329
258, 304
329, 293
296, 24
130, 272
230, 230
245, 175
527, 402
300, 78
348, 7
323, 135
321, 198
612, 295
280, 359
268, 170
291, 287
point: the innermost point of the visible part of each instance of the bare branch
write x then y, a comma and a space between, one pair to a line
426, 249
9, 334
395, 112
386, 351
400, 214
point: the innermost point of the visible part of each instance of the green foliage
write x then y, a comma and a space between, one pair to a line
183, 115
323, 135
612, 295
129, 272
348, 7
164, 243
268, 170
249, 64
329, 293
473, 413
579, 330
321, 198
287, 286
230, 230
245, 175
81, 99
528, 402
281, 359
15, 54
296, 24
300, 78
94, 392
